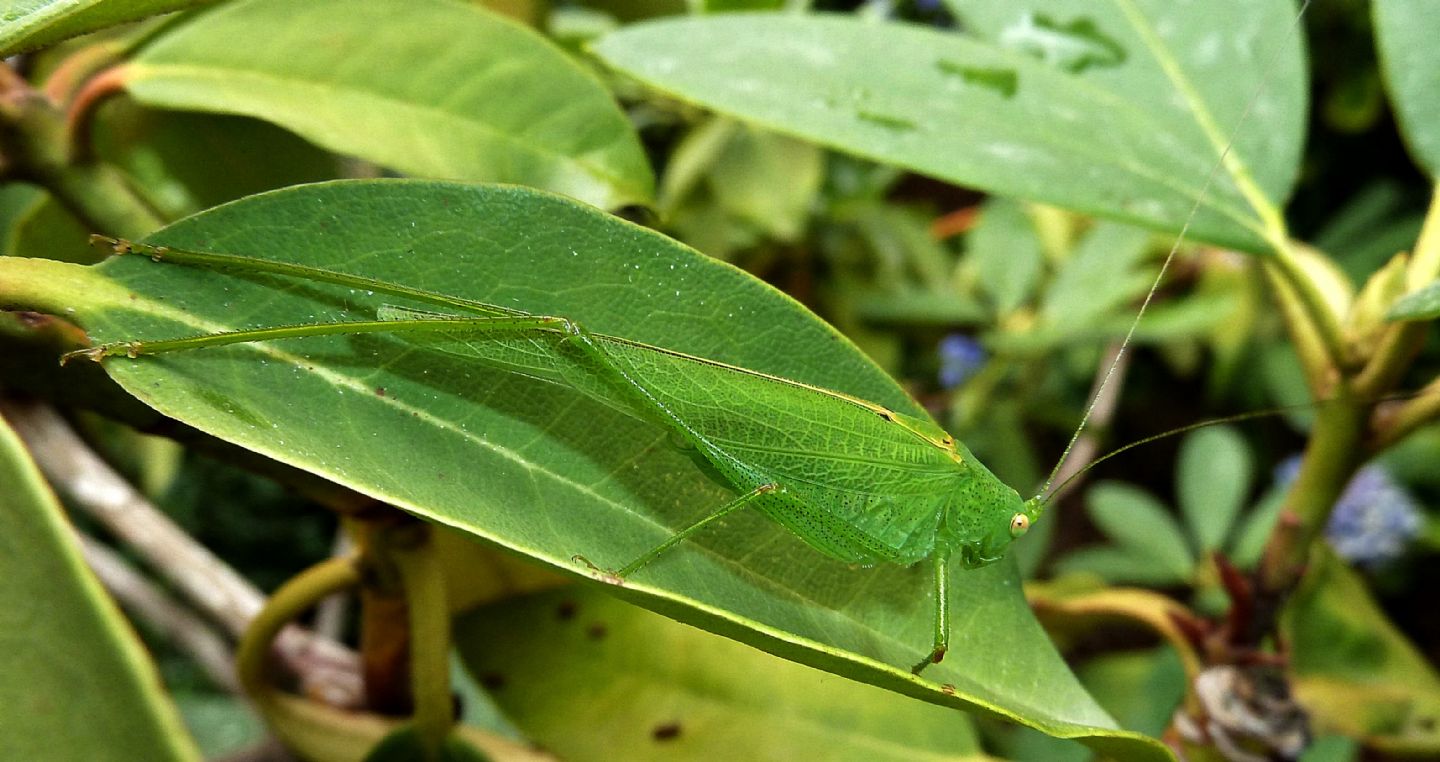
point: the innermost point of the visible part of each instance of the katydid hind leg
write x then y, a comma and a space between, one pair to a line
592, 359
940, 565
418, 322
507, 325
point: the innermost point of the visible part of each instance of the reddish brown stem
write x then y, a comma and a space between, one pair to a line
81, 114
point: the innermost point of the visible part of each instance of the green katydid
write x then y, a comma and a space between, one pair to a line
894, 488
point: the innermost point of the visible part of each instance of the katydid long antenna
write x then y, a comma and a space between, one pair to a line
1045, 494
1249, 415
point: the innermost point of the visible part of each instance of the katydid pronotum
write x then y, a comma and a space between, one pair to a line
893, 489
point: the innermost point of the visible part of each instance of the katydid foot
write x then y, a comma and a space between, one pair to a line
934, 658
606, 575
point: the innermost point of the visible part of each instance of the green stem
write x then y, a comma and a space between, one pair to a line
424, 582
1338, 442
1333, 455
292, 599
34, 145
1403, 418
1320, 374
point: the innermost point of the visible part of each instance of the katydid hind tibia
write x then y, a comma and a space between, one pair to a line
891, 488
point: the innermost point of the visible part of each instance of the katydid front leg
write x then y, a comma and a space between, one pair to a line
940, 561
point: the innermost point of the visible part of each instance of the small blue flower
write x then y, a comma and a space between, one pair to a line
960, 358
1288, 469
1374, 519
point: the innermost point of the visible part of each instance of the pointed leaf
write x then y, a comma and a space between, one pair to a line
535, 467
1007, 253
1099, 277
1255, 528
430, 87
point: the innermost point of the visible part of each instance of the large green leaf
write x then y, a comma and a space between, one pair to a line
596, 679
1191, 67
29, 24
1130, 145
76, 682
534, 467
1405, 35
428, 87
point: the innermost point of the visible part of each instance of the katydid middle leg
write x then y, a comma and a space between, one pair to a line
683, 534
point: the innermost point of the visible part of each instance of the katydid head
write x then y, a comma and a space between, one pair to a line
986, 518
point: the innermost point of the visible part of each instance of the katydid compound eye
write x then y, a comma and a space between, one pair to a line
1018, 524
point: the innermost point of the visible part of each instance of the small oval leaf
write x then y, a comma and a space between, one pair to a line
1139, 523
1213, 480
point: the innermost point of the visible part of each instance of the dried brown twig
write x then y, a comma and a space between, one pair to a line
327, 670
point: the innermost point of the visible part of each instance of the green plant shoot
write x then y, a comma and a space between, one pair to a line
854, 480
